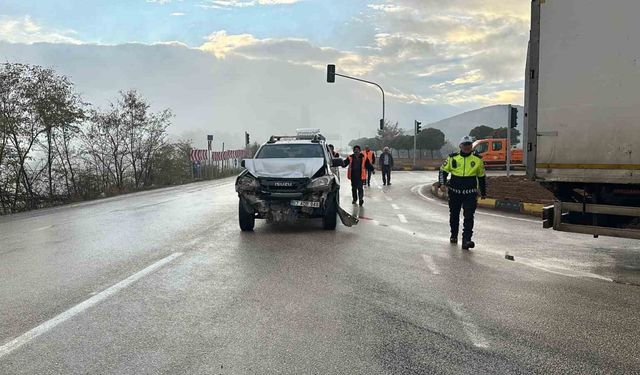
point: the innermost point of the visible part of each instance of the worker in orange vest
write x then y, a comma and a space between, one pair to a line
358, 165
371, 157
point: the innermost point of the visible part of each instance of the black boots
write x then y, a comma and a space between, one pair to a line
466, 244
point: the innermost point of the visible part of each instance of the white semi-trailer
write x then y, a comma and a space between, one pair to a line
582, 113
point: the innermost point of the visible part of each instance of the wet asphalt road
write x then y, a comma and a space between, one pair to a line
165, 282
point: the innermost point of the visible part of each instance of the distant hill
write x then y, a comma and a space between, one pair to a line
458, 126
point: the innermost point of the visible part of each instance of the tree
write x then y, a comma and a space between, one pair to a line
33, 101
431, 139
388, 132
20, 97
68, 154
152, 142
482, 132
106, 141
358, 142
373, 143
134, 117
171, 164
402, 142
502, 133
58, 108
54, 147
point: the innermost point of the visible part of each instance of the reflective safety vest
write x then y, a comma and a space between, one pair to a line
369, 155
363, 172
467, 173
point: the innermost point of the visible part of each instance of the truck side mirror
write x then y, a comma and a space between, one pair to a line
242, 163
335, 163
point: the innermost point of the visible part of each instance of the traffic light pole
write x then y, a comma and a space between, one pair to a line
415, 136
371, 83
509, 125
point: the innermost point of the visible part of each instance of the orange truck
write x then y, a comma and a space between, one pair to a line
493, 152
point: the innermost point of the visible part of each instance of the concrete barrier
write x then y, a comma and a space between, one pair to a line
419, 168
533, 209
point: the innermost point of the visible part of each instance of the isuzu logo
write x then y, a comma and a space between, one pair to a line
283, 184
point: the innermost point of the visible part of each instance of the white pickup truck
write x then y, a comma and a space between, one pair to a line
290, 177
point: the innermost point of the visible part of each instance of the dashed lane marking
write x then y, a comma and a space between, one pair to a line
431, 265
402, 218
395, 206
468, 326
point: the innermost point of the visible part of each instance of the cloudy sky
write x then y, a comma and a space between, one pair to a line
226, 66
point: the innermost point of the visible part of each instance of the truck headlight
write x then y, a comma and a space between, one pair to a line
320, 183
247, 182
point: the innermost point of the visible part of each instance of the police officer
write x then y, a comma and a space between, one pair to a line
467, 180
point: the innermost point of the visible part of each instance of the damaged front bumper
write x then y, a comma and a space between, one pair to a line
286, 199
277, 207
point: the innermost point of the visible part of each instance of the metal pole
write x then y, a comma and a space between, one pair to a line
222, 157
509, 124
208, 164
415, 136
371, 83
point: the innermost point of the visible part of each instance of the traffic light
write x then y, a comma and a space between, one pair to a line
246, 138
381, 124
418, 126
331, 73
514, 117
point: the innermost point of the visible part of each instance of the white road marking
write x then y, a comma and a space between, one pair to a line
402, 218
43, 228
418, 189
468, 326
519, 260
561, 271
431, 265
389, 199
82, 306
395, 206
508, 217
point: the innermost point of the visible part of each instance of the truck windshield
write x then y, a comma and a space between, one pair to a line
282, 151
482, 148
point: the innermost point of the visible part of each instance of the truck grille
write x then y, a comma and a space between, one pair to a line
279, 185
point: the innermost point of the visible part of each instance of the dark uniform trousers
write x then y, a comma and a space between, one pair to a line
467, 202
357, 188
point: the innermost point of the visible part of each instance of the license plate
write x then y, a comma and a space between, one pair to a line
305, 204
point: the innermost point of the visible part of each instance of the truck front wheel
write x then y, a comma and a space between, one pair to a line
247, 219
329, 220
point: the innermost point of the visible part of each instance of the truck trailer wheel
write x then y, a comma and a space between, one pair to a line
246, 218
330, 218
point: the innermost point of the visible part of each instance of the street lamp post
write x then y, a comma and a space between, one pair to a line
331, 73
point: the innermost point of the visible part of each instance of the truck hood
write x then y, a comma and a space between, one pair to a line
284, 168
